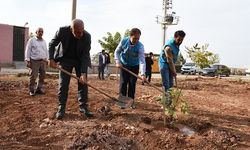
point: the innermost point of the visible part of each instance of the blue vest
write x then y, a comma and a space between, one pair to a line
129, 55
175, 52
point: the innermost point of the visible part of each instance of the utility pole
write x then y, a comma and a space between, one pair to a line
74, 9
167, 19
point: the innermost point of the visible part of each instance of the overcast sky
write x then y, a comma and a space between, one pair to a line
223, 24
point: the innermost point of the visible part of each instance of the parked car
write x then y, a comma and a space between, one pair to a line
189, 68
215, 70
248, 72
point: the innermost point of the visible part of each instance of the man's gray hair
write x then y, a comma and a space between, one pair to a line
77, 22
39, 28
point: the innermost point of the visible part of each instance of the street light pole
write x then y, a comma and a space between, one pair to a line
164, 29
26, 23
164, 26
74, 9
168, 18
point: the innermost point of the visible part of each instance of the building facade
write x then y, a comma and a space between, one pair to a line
13, 40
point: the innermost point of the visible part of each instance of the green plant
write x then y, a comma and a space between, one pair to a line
110, 42
201, 56
181, 60
218, 73
175, 103
239, 80
239, 72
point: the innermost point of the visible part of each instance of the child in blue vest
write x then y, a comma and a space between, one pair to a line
130, 54
168, 58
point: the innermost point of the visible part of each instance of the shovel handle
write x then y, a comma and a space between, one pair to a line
66, 72
154, 86
177, 88
175, 79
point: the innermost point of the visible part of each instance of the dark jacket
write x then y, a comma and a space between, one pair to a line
61, 41
100, 59
149, 63
107, 58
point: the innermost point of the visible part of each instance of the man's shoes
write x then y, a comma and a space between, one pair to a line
86, 112
60, 113
133, 106
39, 91
32, 93
122, 107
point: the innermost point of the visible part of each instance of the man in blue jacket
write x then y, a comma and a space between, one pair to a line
130, 54
72, 52
168, 58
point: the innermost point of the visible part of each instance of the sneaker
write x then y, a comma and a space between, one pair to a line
86, 112
39, 91
122, 107
133, 106
32, 93
60, 113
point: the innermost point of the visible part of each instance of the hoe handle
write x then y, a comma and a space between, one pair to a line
175, 79
66, 72
154, 86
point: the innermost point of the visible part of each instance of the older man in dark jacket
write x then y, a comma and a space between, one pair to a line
73, 46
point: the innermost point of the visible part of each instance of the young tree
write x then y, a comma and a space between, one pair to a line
31, 35
181, 60
201, 56
110, 42
126, 33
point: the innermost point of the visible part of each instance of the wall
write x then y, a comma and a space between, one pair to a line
111, 67
155, 66
6, 43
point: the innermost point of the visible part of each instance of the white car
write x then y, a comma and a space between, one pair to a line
248, 72
189, 68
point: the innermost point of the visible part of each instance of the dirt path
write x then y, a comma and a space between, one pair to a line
219, 115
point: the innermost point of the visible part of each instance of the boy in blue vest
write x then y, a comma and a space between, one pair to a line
130, 54
168, 58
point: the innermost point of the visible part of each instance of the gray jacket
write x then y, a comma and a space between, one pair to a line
60, 43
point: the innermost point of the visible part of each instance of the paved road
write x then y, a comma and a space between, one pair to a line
155, 75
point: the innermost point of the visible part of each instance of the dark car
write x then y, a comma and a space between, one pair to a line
216, 70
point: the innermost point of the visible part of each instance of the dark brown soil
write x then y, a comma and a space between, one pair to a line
219, 115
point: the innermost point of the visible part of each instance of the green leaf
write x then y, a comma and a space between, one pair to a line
201, 56
110, 42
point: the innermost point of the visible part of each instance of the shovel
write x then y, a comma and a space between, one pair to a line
122, 101
154, 86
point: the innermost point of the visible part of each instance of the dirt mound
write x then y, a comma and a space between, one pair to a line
101, 140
